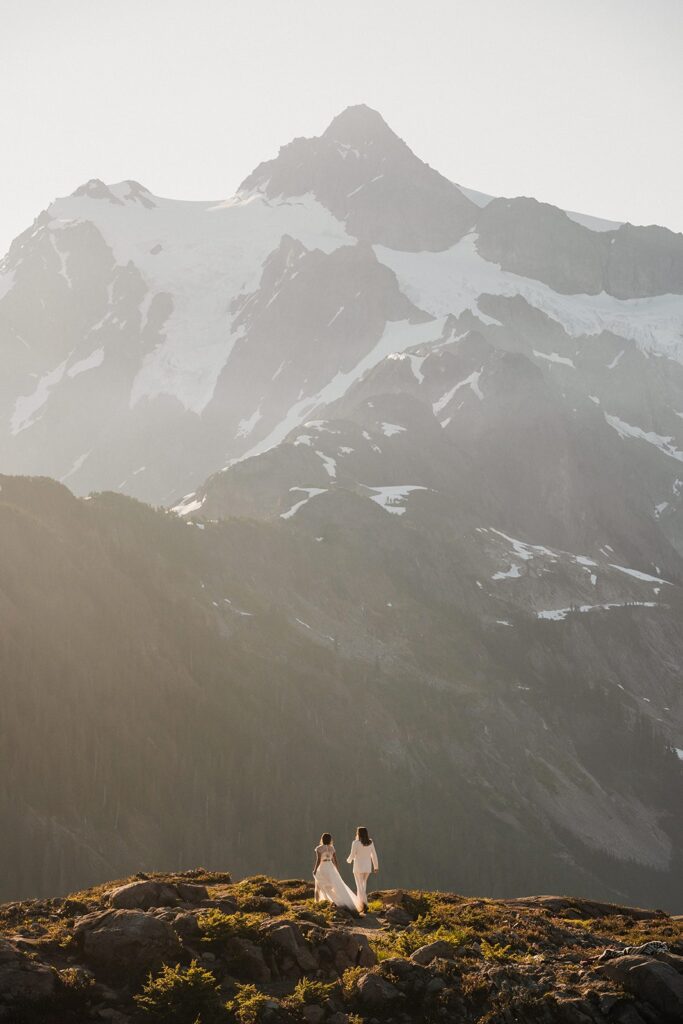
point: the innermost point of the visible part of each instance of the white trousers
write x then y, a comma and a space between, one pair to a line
362, 885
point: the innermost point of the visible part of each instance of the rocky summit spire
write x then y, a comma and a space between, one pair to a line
359, 126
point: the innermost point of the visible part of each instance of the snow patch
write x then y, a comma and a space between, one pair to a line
452, 281
640, 575
245, 426
558, 614
210, 253
75, 467
513, 573
553, 357
26, 407
624, 430
470, 382
329, 464
190, 503
310, 492
91, 362
390, 497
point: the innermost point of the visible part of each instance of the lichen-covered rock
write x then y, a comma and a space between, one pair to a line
656, 982
286, 935
126, 940
348, 948
247, 961
142, 895
398, 917
23, 979
190, 892
376, 993
425, 954
147, 893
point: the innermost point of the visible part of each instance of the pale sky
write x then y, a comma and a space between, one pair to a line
575, 102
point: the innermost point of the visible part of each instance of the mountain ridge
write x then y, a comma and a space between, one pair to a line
139, 334
415, 489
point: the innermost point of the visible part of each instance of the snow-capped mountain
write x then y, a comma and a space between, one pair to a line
423, 448
149, 342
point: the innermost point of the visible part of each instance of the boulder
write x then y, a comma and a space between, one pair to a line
348, 948
313, 1014
398, 917
190, 892
224, 903
121, 940
425, 954
186, 926
246, 959
143, 895
287, 935
376, 992
23, 979
147, 893
653, 981
401, 899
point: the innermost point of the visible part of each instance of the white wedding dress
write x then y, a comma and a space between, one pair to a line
329, 884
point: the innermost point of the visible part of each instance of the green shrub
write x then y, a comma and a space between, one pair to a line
76, 980
322, 910
181, 995
422, 932
247, 1004
494, 951
350, 979
218, 927
307, 992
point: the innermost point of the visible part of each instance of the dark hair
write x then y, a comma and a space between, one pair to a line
325, 839
362, 834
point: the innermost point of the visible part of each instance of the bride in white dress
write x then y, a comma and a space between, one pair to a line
329, 884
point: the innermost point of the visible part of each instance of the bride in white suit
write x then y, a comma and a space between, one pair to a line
363, 856
329, 884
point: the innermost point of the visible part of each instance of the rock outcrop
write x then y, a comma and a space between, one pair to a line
199, 948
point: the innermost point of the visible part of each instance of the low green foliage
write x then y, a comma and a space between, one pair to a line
181, 995
76, 980
322, 910
218, 927
247, 1004
308, 992
350, 979
426, 929
57, 933
579, 922
494, 951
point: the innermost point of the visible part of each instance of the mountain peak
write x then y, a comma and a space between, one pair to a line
359, 125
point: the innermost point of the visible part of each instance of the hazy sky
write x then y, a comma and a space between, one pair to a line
576, 102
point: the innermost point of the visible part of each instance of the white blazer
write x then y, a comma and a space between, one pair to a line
363, 858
